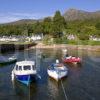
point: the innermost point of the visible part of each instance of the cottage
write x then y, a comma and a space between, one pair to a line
94, 38
37, 37
71, 37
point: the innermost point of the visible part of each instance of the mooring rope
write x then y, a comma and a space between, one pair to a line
64, 90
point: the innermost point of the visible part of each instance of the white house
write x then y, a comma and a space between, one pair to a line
13, 39
71, 37
94, 38
8, 39
37, 37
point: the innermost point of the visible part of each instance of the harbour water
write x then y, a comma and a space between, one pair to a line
82, 83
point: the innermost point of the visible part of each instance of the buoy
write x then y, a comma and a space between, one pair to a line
57, 61
12, 76
64, 50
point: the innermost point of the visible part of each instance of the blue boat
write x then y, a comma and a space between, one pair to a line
24, 71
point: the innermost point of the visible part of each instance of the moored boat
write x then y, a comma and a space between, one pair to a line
24, 71
7, 60
71, 59
57, 71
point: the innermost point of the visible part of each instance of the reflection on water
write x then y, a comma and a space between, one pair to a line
25, 92
53, 88
21, 89
82, 83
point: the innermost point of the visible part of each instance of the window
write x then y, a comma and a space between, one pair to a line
16, 67
20, 67
33, 67
27, 67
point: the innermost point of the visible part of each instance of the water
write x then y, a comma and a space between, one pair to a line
82, 83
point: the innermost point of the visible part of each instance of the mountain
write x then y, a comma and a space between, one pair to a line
25, 21
74, 14
69, 15
22, 21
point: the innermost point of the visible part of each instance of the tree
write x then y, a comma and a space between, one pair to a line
38, 28
59, 23
97, 26
47, 26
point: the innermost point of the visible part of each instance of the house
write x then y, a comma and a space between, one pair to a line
37, 37
94, 38
8, 39
71, 37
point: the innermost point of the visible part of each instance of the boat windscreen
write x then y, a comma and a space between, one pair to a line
27, 67
16, 67
20, 67
33, 67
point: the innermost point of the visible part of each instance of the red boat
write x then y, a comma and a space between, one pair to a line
71, 59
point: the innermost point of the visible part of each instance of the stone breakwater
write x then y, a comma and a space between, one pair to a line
13, 47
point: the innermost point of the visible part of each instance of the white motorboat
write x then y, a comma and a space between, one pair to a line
57, 70
24, 71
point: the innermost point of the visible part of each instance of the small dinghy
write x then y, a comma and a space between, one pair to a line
71, 59
24, 71
7, 60
57, 70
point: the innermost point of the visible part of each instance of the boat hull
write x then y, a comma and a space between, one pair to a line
57, 75
72, 60
26, 79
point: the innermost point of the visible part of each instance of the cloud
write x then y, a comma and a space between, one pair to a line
9, 17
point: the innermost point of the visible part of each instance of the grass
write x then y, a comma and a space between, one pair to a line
72, 42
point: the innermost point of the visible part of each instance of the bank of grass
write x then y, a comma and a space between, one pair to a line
83, 42
72, 42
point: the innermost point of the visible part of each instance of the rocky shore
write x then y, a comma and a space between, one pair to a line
80, 47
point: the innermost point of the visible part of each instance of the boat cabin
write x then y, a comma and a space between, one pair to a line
25, 66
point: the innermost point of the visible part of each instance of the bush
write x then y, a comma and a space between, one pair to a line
83, 37
48, 40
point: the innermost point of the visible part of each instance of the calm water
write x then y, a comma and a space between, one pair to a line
82, 83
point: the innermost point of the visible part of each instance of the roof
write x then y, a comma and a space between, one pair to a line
21, 63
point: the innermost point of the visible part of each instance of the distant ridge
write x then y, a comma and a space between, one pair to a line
22, 21
74, 14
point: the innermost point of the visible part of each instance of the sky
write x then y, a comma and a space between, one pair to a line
12, 10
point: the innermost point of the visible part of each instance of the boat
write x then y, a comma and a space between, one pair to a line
71, 59
57, 70
7, 60
24, 71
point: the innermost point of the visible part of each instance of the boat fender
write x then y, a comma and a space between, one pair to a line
57, 61
12, 76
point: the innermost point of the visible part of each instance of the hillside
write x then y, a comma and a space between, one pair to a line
22, 21
74, 14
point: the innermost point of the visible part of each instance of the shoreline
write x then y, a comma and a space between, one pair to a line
68, 46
